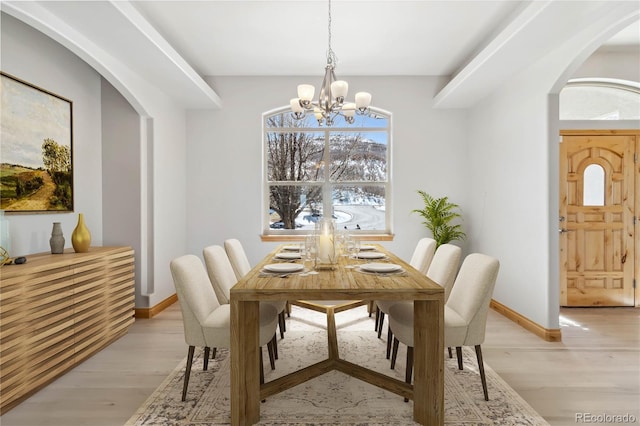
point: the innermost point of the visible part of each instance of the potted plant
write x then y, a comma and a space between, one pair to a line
439, 214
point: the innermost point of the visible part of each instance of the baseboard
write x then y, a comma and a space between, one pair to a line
155, 310
548, 334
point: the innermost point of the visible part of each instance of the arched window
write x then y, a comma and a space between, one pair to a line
600, 99
311, 171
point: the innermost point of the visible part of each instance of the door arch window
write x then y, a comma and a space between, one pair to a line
600, 99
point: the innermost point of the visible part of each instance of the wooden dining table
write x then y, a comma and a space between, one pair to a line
331, 284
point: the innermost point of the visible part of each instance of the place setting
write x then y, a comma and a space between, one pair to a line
281, 270
381, 269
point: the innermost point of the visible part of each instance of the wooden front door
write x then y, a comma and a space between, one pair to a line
597, 215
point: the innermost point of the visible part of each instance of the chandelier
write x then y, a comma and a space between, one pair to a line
333, 92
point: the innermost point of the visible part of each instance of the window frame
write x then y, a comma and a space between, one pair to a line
269, 234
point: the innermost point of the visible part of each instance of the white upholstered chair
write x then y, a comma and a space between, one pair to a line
421, 260
241, 267
223, 278
206, 322
423, 254
465, 314
443, 270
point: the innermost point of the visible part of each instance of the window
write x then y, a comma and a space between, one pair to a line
600, 99
342, 171
593, 186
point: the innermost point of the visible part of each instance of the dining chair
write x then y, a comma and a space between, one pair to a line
465, 313
442, 271
207, 323
421, 259
241, 267
223, 277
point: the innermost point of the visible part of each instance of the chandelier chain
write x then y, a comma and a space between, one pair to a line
331, 56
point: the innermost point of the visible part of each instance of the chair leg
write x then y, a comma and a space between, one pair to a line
288, 309
450, 354
377, 318
371, 302
281, 324
389, 338
272, 360
459, 355
206, 358
275, 346
394, 355
380, 324
187, 372
481, 369
213, 353
409, 372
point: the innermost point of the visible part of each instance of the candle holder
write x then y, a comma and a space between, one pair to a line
327, 255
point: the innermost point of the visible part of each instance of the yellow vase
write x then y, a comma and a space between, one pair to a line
81, 237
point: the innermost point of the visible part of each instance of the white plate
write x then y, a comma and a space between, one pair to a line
283, 267
366, 248
371, 255
288, 255
380, 267
291, 248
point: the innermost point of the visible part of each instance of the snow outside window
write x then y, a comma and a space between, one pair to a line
342, 171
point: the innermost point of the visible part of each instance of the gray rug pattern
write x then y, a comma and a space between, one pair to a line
333, 398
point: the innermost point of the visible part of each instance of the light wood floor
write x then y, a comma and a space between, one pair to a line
595, 369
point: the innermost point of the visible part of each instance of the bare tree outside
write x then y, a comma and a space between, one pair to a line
296, 167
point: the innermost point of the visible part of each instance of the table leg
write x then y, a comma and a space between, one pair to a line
245, 363
428, 388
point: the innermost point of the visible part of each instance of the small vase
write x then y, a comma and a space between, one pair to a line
81, 237
57, 239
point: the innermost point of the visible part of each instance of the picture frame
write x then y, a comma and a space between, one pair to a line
36, 154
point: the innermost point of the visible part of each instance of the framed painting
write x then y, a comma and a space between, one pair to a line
36, 158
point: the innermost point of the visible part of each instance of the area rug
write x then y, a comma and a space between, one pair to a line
333, 398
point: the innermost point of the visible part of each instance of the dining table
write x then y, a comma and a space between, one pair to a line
349, 279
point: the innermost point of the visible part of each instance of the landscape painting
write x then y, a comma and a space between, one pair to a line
36, 168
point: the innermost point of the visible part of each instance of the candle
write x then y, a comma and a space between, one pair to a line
325, 249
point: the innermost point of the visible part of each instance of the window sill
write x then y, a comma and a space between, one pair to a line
300, 237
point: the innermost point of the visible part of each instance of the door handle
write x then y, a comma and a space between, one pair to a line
564, 230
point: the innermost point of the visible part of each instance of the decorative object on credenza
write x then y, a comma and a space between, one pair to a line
5, 259
57, 239
81, 237
4, 256
36, 170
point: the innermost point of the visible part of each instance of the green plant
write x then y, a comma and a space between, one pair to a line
438, 214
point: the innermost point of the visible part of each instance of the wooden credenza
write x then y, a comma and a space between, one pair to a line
56, 310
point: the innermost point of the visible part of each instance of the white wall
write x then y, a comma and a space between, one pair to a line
28, 55
225, 156
121, 184
622, 65
149, 155
513, 166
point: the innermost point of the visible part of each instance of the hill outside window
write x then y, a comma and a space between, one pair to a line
342, 171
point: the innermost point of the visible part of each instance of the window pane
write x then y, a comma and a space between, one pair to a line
295, 156
359, 207
294, 207
598, 103
593, 186
358, 156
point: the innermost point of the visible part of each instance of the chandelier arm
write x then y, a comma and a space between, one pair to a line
326, 108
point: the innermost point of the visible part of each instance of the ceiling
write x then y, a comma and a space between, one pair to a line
368, 37
176, 44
